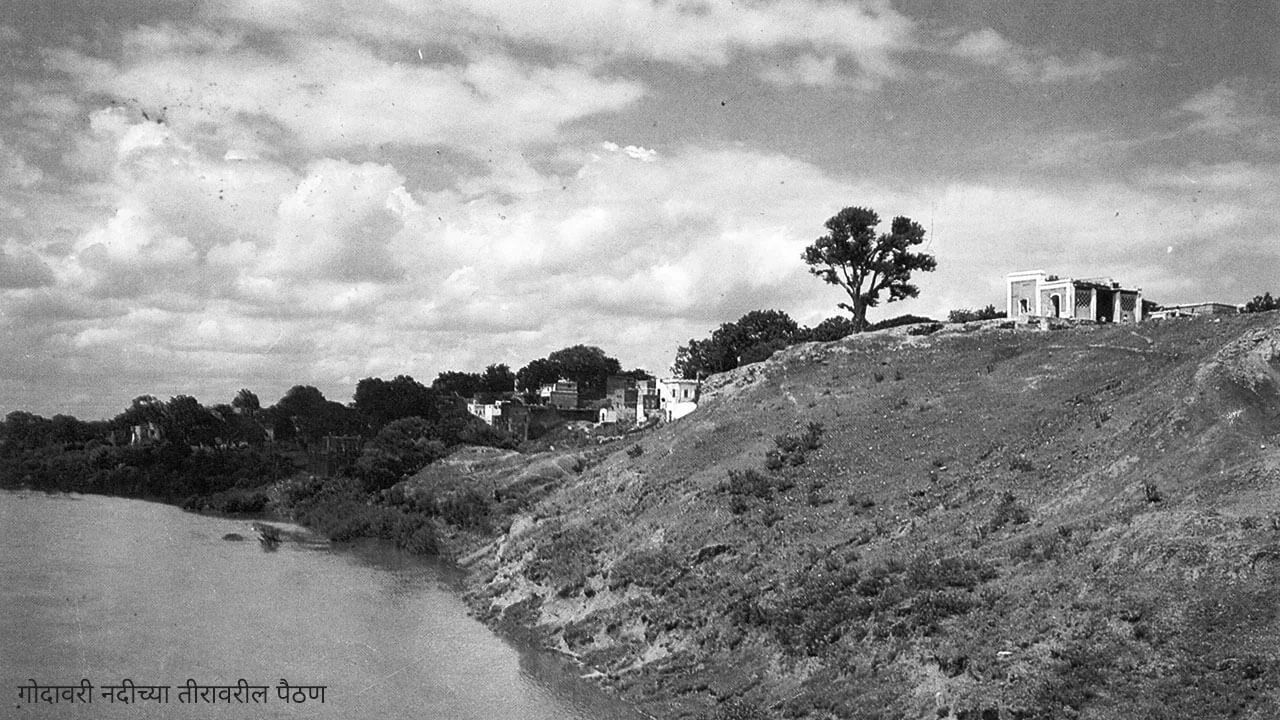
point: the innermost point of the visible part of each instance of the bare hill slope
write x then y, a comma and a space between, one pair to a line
977, 523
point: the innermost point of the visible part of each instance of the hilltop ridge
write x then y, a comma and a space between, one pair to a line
980, 522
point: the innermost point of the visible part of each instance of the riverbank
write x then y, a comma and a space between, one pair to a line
980, 522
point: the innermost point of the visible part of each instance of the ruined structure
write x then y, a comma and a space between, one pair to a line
1195, 310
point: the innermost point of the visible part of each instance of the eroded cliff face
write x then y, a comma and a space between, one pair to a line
980, 522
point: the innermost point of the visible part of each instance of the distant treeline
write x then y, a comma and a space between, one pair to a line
179, 450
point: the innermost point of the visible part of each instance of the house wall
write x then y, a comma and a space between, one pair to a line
1020, 290
563, 400
1064, 291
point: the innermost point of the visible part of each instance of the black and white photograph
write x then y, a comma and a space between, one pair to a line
639, 360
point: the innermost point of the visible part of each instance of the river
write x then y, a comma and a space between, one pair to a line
107, 589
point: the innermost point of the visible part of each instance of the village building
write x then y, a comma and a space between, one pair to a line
147, 432
1036, 294
1194, 310
677, 397
628, 400
488, 412
561, 394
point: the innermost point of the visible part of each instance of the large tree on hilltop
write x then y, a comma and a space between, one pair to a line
865, 264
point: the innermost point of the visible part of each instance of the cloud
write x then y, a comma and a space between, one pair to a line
809, 70
333, 93
337, 223
696, 33
1023, 64
21, 268
1229, 108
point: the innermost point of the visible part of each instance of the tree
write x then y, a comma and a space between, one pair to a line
246, 402
588, 366
313, 417
383, 401
142, 410
536, 374
187, 422
833, 328
754, 337
498, 379
1262, 303
401, 448
865, 264
452, 382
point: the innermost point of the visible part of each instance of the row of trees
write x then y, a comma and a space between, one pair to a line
1262, 303
758, 335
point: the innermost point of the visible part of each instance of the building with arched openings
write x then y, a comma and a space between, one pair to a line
1037, 294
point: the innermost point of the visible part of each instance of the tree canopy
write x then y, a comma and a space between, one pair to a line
586, 365
452, 382
305, 411
865, 264
754, 337
1262, 303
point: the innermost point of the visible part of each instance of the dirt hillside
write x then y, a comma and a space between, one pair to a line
980, 522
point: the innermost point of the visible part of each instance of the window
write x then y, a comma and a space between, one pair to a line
1024, 307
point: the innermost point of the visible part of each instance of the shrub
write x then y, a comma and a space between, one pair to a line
1152, 492
895, 598
734, 710
467, 509
925, 329
1008, 511
1021, 464
566, 560
749, 483
650, 568
964, 315
635, 451
790, 449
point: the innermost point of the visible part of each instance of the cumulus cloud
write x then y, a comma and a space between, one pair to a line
337, 223
275, 192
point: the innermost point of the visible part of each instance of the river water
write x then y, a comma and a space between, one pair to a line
107, 589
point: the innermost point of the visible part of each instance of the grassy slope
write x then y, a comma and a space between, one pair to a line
1074, 523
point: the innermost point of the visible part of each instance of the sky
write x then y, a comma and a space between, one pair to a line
205, 196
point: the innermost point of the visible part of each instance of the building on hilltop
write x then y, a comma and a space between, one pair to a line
1194, 310
1036, 294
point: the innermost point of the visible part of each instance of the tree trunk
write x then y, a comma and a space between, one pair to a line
859, 315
